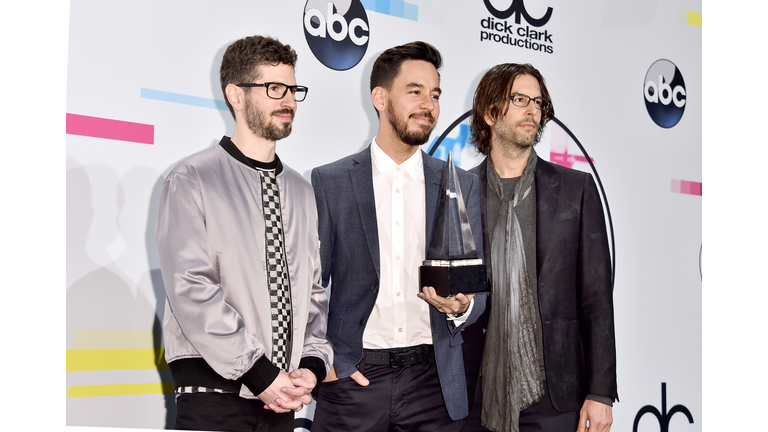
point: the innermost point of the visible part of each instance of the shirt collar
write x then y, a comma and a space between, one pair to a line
230, 147
414, 165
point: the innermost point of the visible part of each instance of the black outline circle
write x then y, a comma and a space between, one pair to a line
583, 151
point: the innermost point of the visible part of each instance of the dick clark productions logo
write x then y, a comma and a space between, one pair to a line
337, 32
664, 92
498, 29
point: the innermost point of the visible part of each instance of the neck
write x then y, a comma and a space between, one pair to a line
392, 146
255, 147
509, 163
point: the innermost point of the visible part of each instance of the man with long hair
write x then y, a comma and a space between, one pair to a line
550, 359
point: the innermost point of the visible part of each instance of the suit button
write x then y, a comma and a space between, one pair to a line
362, 323
374, 288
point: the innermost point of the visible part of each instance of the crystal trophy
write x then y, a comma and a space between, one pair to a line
452, 264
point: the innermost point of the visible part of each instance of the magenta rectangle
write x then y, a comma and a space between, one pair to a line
686, 187
98, 127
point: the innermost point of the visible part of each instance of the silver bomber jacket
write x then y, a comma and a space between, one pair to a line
210, 238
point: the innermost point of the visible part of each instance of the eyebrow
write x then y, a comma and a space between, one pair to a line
421, 86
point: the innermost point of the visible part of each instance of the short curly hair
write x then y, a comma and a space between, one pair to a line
491, 97
242, 59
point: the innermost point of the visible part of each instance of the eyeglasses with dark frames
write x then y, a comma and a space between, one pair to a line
276, 90
522, 101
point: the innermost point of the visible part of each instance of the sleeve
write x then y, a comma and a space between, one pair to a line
596, 296
475, 222
318, 353
195, 296
324, 228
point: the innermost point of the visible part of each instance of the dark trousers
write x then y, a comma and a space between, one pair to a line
539, 417
396, 400
228, 412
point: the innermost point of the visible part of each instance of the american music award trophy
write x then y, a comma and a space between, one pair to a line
452, 264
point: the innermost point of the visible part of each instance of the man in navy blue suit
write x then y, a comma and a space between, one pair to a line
398, 346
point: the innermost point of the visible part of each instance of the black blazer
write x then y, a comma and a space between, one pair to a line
574, 285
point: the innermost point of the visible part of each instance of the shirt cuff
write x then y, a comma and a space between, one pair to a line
602, 399
459, 319
316, 365
260, 376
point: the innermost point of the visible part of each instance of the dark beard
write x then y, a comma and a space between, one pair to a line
412, 138
261, 126
520, 140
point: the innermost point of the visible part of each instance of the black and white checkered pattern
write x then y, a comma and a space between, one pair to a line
279, 285
199, 389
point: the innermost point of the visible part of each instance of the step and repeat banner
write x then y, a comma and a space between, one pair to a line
143, 93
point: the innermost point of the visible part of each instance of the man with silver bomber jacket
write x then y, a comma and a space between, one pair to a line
245, 316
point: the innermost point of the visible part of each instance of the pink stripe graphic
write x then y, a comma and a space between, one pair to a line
686, 187
566, 159
110, 129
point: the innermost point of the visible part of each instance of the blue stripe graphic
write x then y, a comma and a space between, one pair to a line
184, 99
395, 8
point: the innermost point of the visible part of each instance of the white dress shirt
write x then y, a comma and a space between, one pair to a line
399, 317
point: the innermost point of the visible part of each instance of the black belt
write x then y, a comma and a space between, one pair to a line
399, 357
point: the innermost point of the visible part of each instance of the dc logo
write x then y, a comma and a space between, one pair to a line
517, 8
664, 93
662, 416
336, 31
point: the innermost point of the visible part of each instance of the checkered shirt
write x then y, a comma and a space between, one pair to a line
277, 277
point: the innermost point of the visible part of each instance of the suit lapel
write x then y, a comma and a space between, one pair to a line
482, 175
548, 184
433, 182
361, 176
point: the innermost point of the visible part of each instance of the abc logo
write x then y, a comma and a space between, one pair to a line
664, 93
336, 31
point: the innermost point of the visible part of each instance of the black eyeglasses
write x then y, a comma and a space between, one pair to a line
522, 101
276, 90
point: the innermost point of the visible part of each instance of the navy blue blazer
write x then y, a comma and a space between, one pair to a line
575, 294
349, 252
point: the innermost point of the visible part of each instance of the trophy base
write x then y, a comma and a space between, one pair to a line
447, 281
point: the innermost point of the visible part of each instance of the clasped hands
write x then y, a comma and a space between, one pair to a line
289, 391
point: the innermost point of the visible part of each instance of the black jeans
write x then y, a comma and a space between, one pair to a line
396, 400
539, 417
228, 412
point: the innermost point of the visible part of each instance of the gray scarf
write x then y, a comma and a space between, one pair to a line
511, 376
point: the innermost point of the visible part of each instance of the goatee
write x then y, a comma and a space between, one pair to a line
413, 138
261, 126
518, 139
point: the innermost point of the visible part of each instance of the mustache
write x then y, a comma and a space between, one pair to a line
284, 111
528, 121
425, 114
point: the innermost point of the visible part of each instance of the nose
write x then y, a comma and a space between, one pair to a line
289, 100
428, 103
530, 110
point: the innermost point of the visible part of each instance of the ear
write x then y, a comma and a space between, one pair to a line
235, 96
489, 119
379, 98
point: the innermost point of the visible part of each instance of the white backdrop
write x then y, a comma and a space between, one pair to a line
155, 65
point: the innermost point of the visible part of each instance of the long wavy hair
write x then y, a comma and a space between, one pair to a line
491, 97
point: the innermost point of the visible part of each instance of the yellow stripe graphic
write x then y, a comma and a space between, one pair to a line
115, 359
120, 389
114, 339
689, 17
